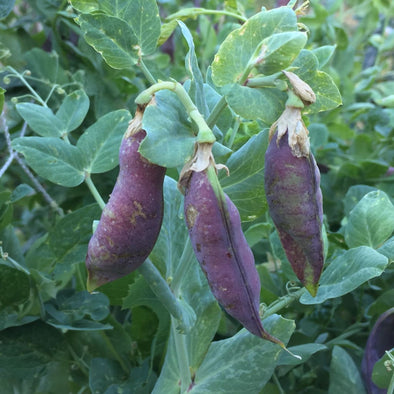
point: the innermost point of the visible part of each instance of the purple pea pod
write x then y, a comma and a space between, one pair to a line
292, 186
380, 339
221, 249
130, 222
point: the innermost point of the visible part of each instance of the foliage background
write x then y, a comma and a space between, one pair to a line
56, 337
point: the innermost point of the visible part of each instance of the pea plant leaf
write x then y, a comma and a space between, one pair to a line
371, 221
170, 139
41, 119
344, 374
227, 68
53, 159
100, 142
223, 369
245, 185
112, 37
73, 110
347, 272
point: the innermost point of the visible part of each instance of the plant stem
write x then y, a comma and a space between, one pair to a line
205, 134
146, 72
217, 109
283, 302
278, 385
182, 357
161, 289
94, 191
33, 92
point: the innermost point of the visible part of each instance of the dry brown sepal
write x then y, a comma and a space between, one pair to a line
200, 161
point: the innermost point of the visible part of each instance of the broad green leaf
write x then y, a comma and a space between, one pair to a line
327, 93
64, 246
235, 364
304, 351
107, 376
35, 356
371, 221
384, 302
143, 17
245, 185
112, 37
278, 51
344, 374
387, 249
53, 159
170, 139
252, 103
78, 311
41, 119
73, 110
6, 7
21, 191
101, 141
346, 272
354, 195
85, 6
256, 232
15, 286
324, 54
227, 67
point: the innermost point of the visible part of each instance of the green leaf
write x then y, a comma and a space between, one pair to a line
324, 54
101, 141
387, 249
384, 302
278, 51
344, 374
41, 119
371, 221
85, 6
381, 376
227, 67
112, 37
304, 351
21, 191
251, 103
354, 195
327, 93
170, 139
6, 7
78, 311
73, 110
346, 272
33, 357
53, 159
245, 185
223, 369
15, 286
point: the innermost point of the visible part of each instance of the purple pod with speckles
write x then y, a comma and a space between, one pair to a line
221, 249
130, 222
379, 340
292, 187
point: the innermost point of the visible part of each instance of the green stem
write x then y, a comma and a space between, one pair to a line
278, 385
283, 302
390, 389
94, 191
234, 131
161, 289
217, 110
32, 91
205, 134
146, 72
182, 357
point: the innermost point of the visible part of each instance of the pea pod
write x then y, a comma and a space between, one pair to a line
130, 222
220, 246
292, 186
